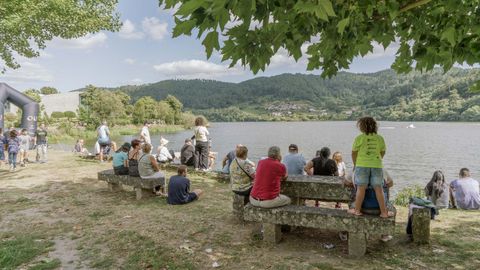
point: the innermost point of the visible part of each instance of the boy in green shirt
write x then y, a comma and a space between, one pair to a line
367, 154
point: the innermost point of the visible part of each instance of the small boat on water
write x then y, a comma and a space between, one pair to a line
411, 126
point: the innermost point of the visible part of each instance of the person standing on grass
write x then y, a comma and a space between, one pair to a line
266, 186
438, 191
466, 191
179, 188
24, 146
41, 142
13, 149
201, 145
367, 154
145, 133
103, 138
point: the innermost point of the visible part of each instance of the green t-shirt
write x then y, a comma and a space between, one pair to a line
369, 148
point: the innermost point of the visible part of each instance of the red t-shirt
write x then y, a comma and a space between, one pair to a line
267, 179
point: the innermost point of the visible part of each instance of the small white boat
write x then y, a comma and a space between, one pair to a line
411, 126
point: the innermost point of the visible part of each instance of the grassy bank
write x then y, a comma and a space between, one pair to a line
59, 133
57, 215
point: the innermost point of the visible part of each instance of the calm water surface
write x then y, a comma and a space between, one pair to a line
413, 154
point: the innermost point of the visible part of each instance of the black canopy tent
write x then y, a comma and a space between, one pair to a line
29, 107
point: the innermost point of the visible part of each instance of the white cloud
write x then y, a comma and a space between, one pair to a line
136, 81
130, 61
154, 28
128, 31
379, 51
282, 58
189, 69
28, 72
86, 42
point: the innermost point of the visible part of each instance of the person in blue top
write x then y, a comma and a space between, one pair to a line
13, 148
120, 160
294, 161
179, 188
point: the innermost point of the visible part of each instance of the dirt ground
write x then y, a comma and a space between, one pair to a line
67, 219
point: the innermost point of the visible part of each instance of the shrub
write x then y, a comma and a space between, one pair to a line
69, 114
402, 198
57, 115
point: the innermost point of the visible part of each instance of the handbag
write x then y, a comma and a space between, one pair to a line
133, 167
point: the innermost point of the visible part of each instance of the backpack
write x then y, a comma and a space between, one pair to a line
133, 167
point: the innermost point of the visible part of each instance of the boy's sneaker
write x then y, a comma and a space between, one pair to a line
11, 168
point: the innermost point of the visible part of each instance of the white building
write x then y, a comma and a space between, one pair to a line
62, 102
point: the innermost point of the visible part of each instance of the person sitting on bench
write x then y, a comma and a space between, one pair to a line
179, 188
242, 173
148, 168
266, 187
120, 160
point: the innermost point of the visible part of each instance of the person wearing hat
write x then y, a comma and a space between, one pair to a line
163, 155
120, 160
294, 161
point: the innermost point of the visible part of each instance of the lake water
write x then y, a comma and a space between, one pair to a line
413, 154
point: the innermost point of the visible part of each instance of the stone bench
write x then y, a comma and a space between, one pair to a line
301, 187
143, 187
358, 227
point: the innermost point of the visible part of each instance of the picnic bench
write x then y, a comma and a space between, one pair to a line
323, 188
143, 187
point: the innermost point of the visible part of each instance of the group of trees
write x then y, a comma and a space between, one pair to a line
116, 107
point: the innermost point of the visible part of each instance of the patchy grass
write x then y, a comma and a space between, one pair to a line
113, 230
20, 249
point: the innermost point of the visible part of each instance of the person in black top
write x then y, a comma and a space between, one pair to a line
179, 188
322, 165
187, 153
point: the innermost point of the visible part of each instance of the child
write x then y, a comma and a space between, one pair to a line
13, 148
367, 154
24, 139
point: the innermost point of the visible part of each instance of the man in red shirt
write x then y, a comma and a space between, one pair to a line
266, 187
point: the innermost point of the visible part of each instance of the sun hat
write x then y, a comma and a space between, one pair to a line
163, 141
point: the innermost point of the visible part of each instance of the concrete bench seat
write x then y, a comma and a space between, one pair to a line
358, 227
143, 187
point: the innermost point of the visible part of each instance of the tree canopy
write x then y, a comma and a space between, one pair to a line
48, 90
26, 25
250, 32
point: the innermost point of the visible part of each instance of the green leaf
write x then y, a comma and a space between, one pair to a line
189, 7
342, 24
327, 6
211, 42
183, 27
449, 35
475, 88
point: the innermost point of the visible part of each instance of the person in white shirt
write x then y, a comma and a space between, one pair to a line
163, 155
342, 168
201, 146
145, 133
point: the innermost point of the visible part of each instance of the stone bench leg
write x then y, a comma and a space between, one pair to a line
237, 206
115, 187
357, 244
272, 233
421, 225
143, 193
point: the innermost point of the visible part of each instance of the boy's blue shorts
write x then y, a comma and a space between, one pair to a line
365, 176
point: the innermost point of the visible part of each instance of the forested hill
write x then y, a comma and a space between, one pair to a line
432, 96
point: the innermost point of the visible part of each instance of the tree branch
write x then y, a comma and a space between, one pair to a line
414, 5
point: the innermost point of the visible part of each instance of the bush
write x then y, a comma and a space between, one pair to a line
57, 115
403, 197
69, 114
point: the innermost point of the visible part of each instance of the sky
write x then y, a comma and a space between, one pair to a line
143, 51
